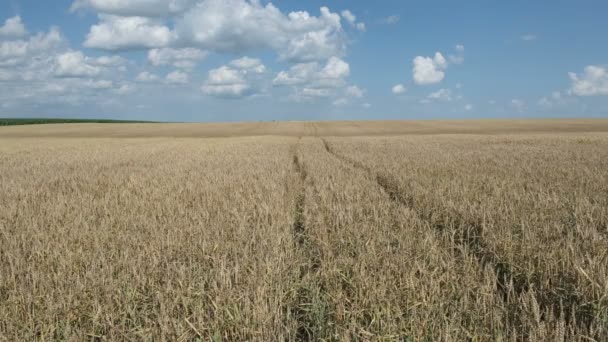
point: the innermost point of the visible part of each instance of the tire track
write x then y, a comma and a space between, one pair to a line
559, 300
311, 308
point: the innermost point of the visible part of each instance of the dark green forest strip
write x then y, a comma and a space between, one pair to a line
34, 121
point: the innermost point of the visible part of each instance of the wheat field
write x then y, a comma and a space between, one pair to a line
302, 231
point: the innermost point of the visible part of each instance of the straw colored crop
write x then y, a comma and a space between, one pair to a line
287, 232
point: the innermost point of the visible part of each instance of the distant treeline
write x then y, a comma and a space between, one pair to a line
33, 121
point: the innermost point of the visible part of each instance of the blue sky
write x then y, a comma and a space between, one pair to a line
241, 60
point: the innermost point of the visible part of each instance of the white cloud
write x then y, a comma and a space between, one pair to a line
429, 70
593, 82
399, 89
13, 27
310, 80
391, 20
13, 52
468, 107
151, 8
110, 61
75, 64
186, 58
177, 77
441, 94
250, 64
241, 79
240, 25
354, 91
146, 76
349, 16
352, 20
123, 33
367, 105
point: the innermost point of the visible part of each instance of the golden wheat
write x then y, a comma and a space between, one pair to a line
305, 231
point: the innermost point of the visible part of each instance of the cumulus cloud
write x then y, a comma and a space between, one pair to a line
74, 64
350, 93
13, 27
249, 64
226, 82
43, 70
593, 82
399, 89
352, 20
110, 61
150, 8
233, 26
185, 58
429, 70
146, 76
177, 77
123, 33
13, 52
241, 25
241, 78
310, 80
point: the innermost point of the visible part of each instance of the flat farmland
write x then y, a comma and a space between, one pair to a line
300, 231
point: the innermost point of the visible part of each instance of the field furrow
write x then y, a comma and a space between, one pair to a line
555, 294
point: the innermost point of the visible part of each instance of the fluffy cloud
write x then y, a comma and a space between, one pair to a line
468, 107
429, 70
151, 8
13, 27
399, 89
74, 64
180, 58
249, 64
177, 77
110, 61
233, 26
351, 92
309, 80
593, 82
240, 79
241, 25
14, 52
146, 76
40, 71
352, 20
122, 33
226, 82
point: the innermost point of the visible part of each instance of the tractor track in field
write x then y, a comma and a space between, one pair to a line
470, 237
310, 293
